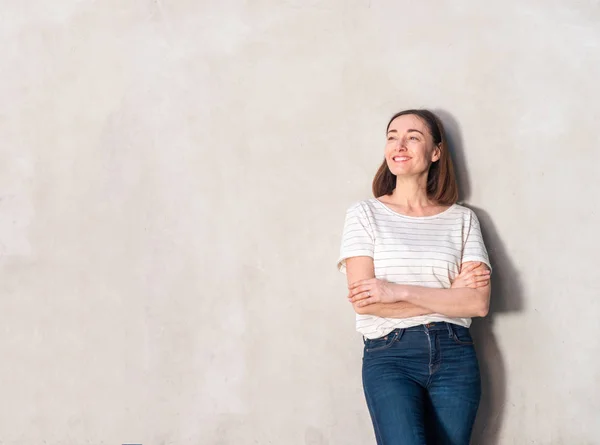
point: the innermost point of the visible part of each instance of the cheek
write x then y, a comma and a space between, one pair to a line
419, 151
423, 152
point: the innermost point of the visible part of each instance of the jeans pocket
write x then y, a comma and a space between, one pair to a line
381, 343
462, 336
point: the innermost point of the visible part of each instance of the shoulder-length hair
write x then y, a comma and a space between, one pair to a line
441, 180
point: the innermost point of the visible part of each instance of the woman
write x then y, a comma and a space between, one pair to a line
417, 271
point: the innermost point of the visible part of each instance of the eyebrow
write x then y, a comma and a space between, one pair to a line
408, 131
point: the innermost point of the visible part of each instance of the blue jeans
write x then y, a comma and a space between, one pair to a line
422, 385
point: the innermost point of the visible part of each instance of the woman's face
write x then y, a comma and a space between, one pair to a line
410, 149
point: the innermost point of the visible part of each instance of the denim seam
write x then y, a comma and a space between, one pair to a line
378, 436
429, 365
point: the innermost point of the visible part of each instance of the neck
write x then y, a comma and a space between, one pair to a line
411, 193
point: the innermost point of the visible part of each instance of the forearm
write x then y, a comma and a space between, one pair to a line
454, 302
401, 309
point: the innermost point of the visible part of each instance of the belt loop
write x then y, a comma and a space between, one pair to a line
364, 340
450, 330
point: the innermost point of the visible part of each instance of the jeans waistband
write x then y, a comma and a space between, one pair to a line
434, 326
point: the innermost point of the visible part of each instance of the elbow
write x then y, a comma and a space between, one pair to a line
361, 310
483, 312
483, 309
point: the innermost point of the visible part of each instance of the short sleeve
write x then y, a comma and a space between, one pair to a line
357, 238
474, 248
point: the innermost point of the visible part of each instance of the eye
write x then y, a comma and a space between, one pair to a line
414, 138
391, 138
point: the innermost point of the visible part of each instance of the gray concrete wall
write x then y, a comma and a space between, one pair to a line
174, 177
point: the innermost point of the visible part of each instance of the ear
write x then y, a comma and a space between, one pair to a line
437, 153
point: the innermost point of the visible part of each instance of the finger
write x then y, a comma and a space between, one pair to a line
353, 290
366, 302
473, 279
477, 274
467, 271
361, 296
359, 289
468, 268
474, 284
359, 283
481, 278
477, 267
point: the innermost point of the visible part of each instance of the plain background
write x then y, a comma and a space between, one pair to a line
174, 177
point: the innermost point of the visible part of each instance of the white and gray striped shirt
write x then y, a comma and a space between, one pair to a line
418, 250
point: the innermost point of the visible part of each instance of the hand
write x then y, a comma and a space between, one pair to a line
474, 275
371, 291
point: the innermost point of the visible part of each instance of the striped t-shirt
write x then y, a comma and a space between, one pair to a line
417, 250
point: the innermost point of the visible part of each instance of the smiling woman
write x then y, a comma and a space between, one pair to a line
417, 271
424, 130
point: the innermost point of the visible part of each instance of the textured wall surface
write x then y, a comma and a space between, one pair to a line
173, 181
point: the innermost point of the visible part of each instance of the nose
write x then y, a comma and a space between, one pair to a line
401, 144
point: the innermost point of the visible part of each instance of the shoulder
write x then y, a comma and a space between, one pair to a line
362, 211
469, 217
364, 206
463, 210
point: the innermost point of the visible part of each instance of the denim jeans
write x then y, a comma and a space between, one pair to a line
422, 385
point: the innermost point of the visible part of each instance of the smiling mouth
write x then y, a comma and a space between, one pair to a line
400, 158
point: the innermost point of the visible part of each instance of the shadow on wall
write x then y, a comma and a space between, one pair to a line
506, 297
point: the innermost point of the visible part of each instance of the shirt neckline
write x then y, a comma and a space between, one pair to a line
413, 217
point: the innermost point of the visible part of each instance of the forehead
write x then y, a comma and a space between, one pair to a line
403, 123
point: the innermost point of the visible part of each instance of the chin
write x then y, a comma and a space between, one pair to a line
399, 171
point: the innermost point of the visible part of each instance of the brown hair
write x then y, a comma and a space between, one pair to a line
441, 181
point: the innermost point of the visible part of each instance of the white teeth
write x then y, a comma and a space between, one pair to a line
398, 158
